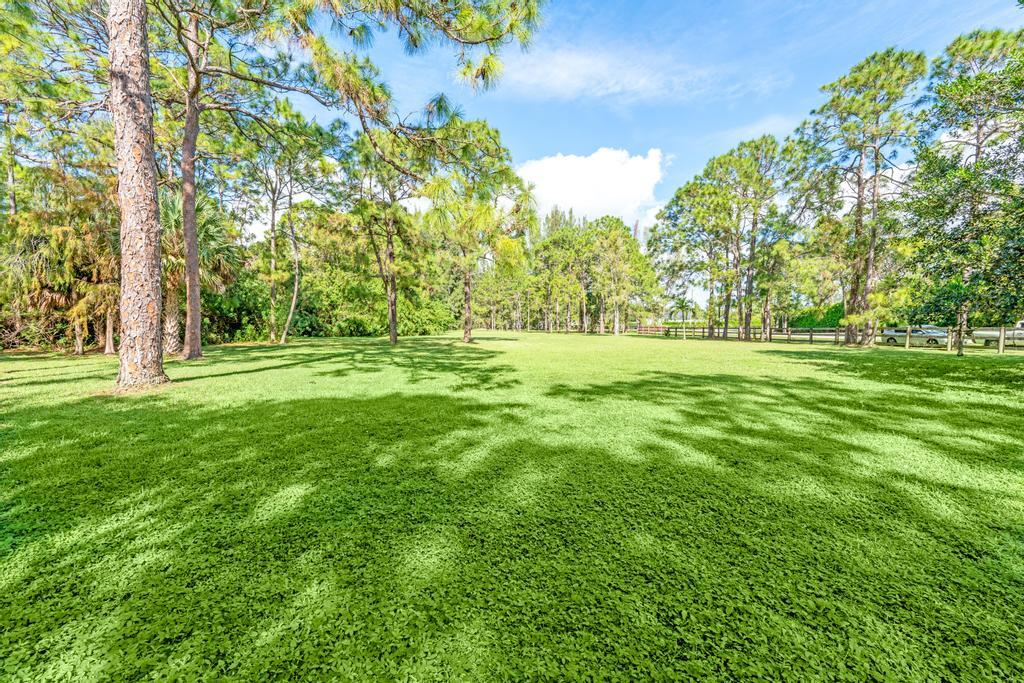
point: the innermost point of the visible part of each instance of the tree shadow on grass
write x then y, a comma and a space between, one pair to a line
423, 359
923, 368
745, 529
141, 535
891, 508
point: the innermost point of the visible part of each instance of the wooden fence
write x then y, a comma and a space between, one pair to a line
943, 340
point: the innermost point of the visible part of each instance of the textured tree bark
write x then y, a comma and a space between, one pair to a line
467, 306
131, 108
193, 315
172, 320
600, 321
108, 338
615, 319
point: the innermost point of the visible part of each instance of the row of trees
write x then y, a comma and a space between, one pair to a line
587, 276
833, 213
99, 114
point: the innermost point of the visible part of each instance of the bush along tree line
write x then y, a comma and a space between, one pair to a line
899, 198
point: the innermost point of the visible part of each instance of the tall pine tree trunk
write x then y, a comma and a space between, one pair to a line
193, 316
131, 109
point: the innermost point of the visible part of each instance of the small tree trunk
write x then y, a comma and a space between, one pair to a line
712, 304
131, 108
600, 322
392, 308
467, 306
108, 338
615, 319
272, 322
766, 318
961, 327
193, 316
12, 199
296, 266
749, 288
172, 320
79, 338
728, 311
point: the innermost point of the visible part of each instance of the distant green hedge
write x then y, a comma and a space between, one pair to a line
811, 317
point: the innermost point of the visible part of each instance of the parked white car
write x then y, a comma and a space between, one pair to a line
989, 336
919, 336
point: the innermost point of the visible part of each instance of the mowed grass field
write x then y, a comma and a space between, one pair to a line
527, 507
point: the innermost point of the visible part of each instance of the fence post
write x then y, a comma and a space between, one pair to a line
789, 335
949, 338
1002, 338
906, 343
811, 335
837, 337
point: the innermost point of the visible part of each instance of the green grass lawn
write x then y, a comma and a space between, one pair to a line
530, 506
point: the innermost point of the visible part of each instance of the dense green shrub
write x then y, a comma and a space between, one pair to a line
815, 317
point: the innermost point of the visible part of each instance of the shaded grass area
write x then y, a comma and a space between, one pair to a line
525, 507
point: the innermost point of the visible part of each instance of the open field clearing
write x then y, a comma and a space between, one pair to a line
529, 506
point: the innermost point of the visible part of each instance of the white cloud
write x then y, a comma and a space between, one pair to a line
629, 76
607, 182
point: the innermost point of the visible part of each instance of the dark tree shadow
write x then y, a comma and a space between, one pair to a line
926, 369
423, 358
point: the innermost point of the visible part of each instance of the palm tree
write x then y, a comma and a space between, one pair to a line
220, 256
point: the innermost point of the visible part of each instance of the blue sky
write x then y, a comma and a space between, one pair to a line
617, 103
